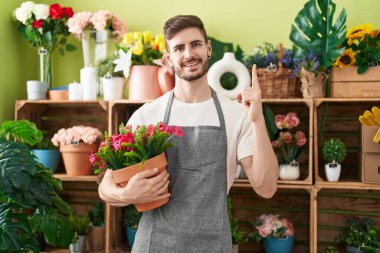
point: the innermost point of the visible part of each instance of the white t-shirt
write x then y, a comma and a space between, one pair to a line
238, 125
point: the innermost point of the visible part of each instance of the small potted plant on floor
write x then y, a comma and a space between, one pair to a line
47, 154
96, 235
360, 236
132, 151
81, 225
334, 152
237, 236
112, 82
277, 233
131, 222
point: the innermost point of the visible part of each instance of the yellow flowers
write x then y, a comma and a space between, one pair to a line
356, 34
145, 48
370, 118
346, 59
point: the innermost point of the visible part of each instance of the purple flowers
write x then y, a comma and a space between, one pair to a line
310, 63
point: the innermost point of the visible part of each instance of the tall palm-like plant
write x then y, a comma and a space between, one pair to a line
315, 32
29, 203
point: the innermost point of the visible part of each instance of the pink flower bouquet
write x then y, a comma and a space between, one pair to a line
99, 21
269, 225
288, 144
75, 135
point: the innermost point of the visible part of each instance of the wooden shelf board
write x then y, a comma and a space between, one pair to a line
47, 101
281, 184
65, 177
346, 185
346, 99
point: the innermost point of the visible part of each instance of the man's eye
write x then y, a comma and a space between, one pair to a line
178, 49
197, 44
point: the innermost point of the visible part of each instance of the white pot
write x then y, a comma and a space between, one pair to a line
113, 87
332, 171
289, 171
79, 246
235, 248
36, 90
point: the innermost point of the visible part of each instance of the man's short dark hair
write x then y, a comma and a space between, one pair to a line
180, 22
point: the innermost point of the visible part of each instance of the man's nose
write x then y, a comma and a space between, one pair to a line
189, 53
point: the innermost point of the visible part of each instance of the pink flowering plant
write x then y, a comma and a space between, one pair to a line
269, 225
99, 21
76, 134
130, 147
289, 143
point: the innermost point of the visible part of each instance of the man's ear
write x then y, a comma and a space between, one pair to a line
209, 49
167, 57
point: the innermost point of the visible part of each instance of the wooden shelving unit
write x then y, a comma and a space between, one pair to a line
305, 200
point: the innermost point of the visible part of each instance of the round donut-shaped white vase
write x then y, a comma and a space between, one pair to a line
229, 64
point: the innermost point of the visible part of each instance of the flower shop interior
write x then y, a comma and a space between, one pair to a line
79, 69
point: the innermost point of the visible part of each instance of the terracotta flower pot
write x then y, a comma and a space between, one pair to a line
76, 158
122, 177
143, 82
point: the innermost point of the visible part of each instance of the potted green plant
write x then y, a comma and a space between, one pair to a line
331, 249
360, 236
131, 222
47, 154
29, 202
237, 236
96, 235
81, 225
112, 82
318, 42
333, 152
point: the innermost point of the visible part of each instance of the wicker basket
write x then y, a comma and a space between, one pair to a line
278, 84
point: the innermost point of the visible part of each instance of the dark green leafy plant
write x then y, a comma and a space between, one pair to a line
361, 232
29, 203
80, 223
96, 215
237, 236
331, 249
131, 217
334, 150
106, 67
315, 32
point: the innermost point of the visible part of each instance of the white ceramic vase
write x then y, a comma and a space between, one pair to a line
332, 171
228, 64
289, 171
113, 87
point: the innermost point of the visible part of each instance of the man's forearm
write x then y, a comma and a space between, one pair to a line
264, 171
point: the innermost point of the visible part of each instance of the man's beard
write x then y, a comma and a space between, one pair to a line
191, 77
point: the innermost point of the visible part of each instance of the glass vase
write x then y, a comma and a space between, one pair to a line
45, 65
95, 46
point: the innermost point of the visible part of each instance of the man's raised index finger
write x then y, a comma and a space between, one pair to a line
255, 80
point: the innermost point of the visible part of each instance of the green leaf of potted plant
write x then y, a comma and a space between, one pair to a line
27, 184
317, 39
333, 152
360, 236
112, 82
81, 225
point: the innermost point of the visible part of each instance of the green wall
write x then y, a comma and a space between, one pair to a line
245, 22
